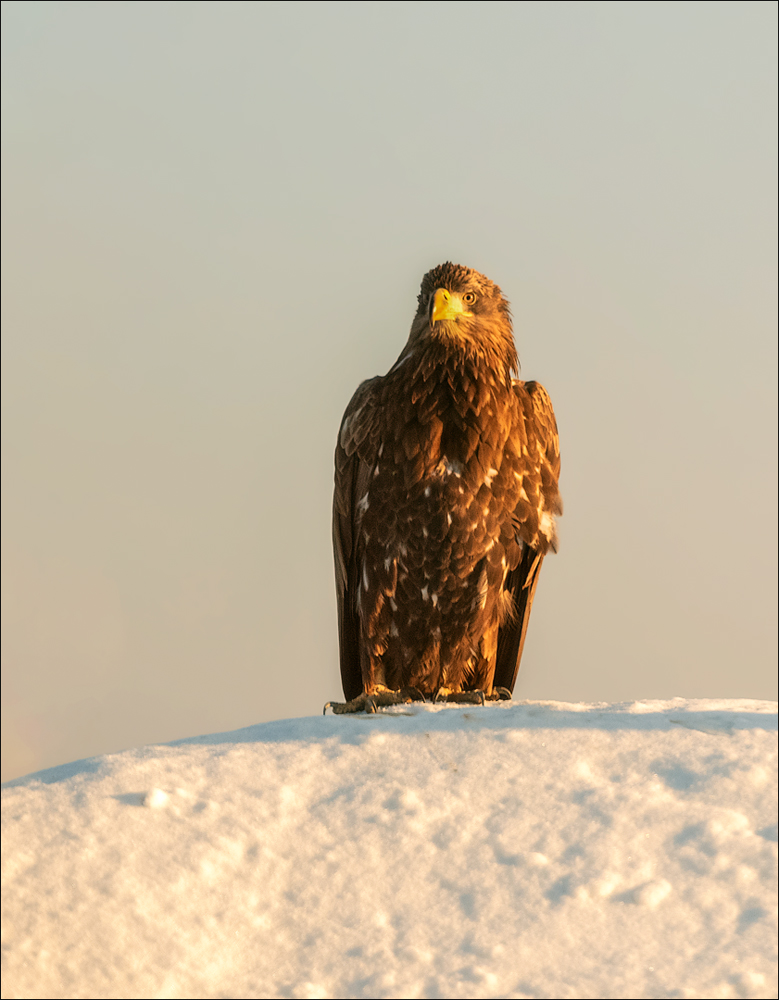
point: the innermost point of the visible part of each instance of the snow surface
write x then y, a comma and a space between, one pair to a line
514, 850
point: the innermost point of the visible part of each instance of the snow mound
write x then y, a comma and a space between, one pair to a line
513, 850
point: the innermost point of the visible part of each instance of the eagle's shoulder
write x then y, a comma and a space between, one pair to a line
360, 417
354, 453
540, 422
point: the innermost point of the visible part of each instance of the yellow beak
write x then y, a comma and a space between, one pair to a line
447, 305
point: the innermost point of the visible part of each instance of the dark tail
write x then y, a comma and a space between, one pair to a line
521, 583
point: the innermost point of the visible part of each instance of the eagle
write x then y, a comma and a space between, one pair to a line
446, 493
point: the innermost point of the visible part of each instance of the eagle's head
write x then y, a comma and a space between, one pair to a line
464, 311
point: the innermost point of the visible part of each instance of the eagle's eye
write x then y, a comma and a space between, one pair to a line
469, 297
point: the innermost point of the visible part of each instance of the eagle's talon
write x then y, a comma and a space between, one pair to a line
460, 697
371, 703
500, 694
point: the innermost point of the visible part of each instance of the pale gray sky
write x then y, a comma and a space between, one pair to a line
216, 217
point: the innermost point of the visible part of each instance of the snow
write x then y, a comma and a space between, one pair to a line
532, 849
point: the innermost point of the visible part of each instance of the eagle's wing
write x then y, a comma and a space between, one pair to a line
534, 521
355, 458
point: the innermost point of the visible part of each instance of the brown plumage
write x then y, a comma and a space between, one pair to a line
446, 474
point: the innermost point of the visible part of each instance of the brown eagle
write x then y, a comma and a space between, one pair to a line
446, 493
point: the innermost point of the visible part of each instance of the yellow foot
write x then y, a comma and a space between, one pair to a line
472, 697
460, 697
369, 702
